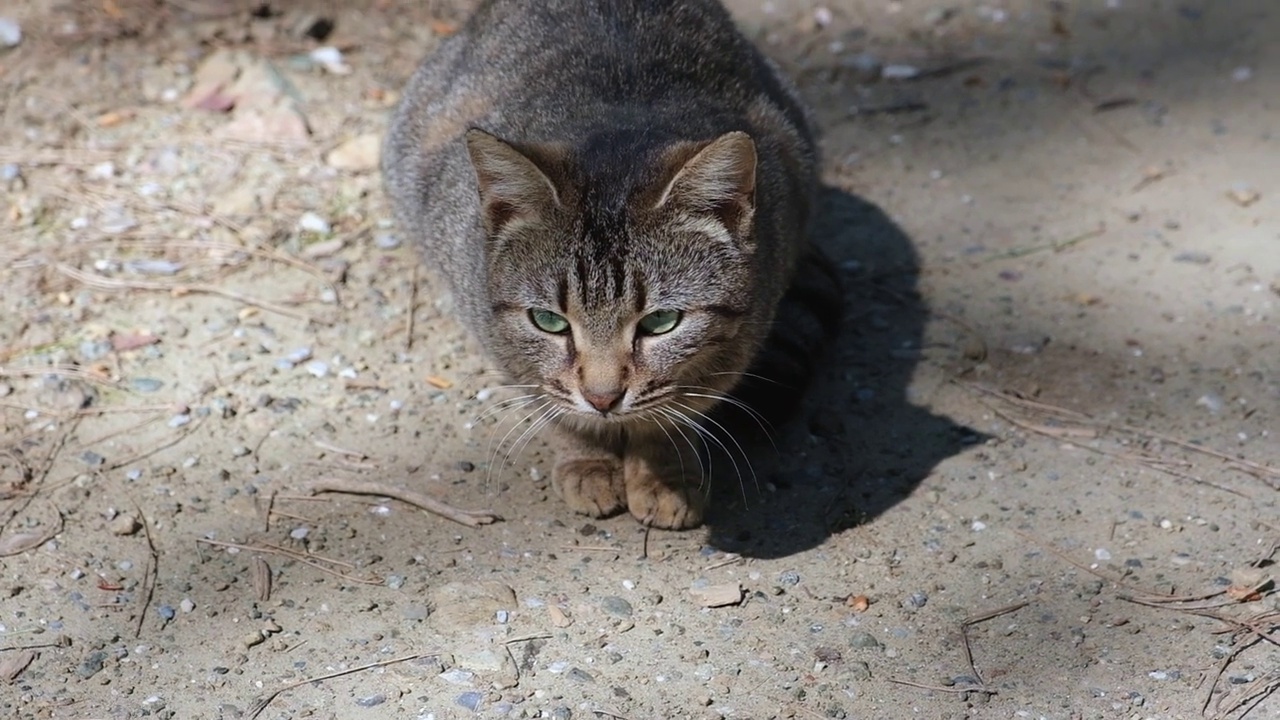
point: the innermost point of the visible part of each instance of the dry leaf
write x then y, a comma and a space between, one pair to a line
859, 603
12, 666
262, 579
558, 617
1240, 593
121, 342
20, 543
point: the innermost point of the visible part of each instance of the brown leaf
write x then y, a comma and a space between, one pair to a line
122, 342
558, 617
1243, 594
262, 579
20, 543
859, 603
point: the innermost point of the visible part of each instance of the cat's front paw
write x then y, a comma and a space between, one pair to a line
662, 500
590, 486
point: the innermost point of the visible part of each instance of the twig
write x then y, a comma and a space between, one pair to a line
727, 561
470, 518
263, 703
163, 446
339, 450
527, 638
107, 283
413, 304
152, 573
980, 618
937, 688
1054, 246
293, 556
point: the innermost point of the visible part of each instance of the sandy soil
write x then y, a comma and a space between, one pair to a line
1038, 477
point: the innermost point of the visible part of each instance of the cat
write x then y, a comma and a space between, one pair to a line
619, 194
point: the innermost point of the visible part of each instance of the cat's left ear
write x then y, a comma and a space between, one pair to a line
513, 188
718, 179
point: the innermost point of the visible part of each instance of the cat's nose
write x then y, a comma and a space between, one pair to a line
603, 401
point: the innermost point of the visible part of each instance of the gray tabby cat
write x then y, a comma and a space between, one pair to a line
618, 193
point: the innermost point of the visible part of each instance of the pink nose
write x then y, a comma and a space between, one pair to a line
603, 401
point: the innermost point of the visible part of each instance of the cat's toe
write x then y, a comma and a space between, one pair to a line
675, 506
590, 486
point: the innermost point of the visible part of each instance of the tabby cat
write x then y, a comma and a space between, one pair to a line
619, 194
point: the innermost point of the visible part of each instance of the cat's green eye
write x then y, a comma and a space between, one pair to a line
659, 322
548, 321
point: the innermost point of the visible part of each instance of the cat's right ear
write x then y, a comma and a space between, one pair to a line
513, 189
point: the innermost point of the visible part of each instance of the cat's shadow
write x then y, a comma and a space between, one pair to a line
858, 446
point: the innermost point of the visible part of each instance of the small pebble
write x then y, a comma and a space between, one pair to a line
395, 582
1194, 257
580, 675
299, 355
311, 222
299, 533
330, 58
470, 700
788, 577
179, 420
915, 600
150, 267
91, 458
186, 605
166, 612
1102, 554
865, 640
978, 526
899, 72
124, 525
372, 700
318, 368
146, 385
386, 241
1213, 402
10, 32
1242, 73
616, 606
457, 676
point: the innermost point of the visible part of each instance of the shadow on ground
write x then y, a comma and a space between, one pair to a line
858, 445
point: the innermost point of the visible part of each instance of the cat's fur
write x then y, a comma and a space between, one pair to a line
604, 159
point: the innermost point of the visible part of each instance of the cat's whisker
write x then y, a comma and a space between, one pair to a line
648, 415
704, 468
530, 432
742, 452
765, 426
747, 375
492, 453
499, 407
707, 435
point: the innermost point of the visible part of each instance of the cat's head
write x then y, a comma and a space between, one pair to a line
622, 293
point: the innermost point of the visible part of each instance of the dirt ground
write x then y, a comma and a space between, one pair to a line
1038, 477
